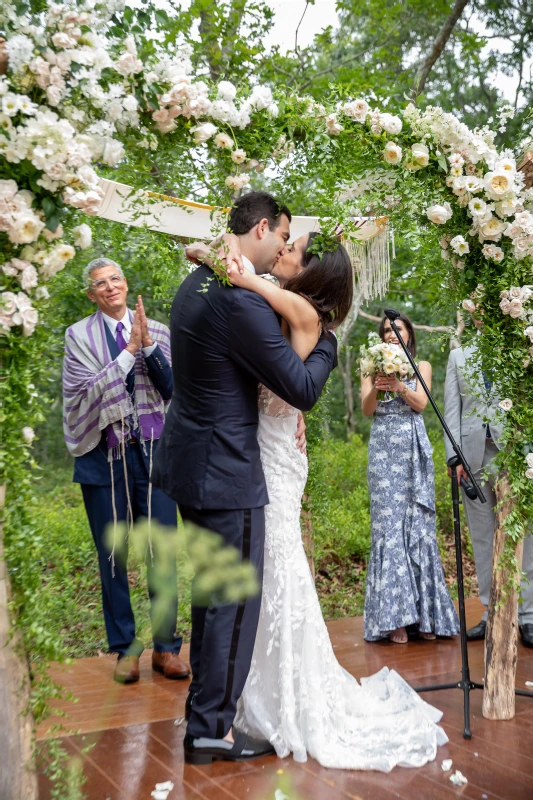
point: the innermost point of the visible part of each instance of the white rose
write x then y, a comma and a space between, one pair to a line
529, 474
505, 305
28, 278
498, 184
493, 229
62, 40
30, 318
9, 303
469, 306
498, 254
53, 94
25, 229
390, 123
128, 64
528, 331
83, 236
392, 153
226, 91
515, 293
516, 309
113, 152
529, 460
88, 176
477, 207
238, 156
8, 189
332, 125
506, 165
64, 252
420, 154
506, 405
28, 434
223, 141
202, 133
439, 214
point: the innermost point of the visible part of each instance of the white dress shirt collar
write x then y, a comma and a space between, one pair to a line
112, 323
248, 264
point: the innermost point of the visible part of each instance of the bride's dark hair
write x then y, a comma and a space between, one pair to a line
326, 282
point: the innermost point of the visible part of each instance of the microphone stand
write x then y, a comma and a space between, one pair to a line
473, 490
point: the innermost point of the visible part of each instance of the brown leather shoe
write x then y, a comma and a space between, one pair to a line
127, 670
171, 665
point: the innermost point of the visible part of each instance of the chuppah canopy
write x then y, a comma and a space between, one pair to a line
368, 246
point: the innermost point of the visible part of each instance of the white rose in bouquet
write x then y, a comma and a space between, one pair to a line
378, 356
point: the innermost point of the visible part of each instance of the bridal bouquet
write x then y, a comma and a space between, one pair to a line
389, 359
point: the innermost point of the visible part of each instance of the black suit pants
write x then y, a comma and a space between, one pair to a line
223, 636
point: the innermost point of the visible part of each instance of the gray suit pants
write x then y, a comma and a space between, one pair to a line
481, 522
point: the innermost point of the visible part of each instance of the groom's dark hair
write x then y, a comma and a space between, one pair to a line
251, 208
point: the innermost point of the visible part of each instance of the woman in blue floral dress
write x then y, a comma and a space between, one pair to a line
405, 580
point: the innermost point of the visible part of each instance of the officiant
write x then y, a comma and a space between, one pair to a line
117, 384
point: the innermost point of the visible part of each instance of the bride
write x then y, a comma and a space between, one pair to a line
297, 695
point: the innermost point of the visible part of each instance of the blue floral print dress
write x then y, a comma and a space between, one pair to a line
405, 580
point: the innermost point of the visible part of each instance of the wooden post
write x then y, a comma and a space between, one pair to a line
18, 779
502, 624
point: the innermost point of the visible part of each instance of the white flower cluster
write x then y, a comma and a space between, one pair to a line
529, 470
513, 301
17, 218
16, 309
190, 99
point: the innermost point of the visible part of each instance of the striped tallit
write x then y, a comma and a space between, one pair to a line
95, 397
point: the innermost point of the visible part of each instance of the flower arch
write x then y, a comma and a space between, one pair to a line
80, 97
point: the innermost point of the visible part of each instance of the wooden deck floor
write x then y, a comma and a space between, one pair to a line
137, 744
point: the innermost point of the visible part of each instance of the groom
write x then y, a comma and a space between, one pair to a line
225, 341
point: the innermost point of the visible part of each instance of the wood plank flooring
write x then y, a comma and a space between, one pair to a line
126, 738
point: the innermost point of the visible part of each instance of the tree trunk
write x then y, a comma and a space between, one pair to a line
438, 46
502, 623
18, 780
307, 534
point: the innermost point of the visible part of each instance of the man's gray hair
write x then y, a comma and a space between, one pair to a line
98, 263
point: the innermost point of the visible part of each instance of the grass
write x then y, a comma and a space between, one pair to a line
338, 498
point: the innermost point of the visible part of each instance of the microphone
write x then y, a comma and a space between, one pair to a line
391, 314
469, 489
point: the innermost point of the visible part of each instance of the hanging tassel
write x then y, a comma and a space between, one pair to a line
129, 513
113, 504
150, 499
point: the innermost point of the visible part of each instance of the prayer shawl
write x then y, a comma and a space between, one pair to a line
95, 397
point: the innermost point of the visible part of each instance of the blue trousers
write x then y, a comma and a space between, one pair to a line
118, 614
223, 636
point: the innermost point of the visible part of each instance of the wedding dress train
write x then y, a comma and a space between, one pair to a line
297, 695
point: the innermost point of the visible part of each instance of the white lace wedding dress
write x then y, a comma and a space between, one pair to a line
297, 695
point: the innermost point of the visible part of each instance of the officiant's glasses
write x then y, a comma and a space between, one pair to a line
103, 283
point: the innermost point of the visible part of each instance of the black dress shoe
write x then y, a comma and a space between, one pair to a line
204, 751
477, 632
188, 705
526, 634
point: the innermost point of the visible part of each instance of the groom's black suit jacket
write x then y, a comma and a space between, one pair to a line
224, 342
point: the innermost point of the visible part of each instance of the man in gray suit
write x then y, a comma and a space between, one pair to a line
471, 411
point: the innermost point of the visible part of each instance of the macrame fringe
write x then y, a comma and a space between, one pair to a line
371, 261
